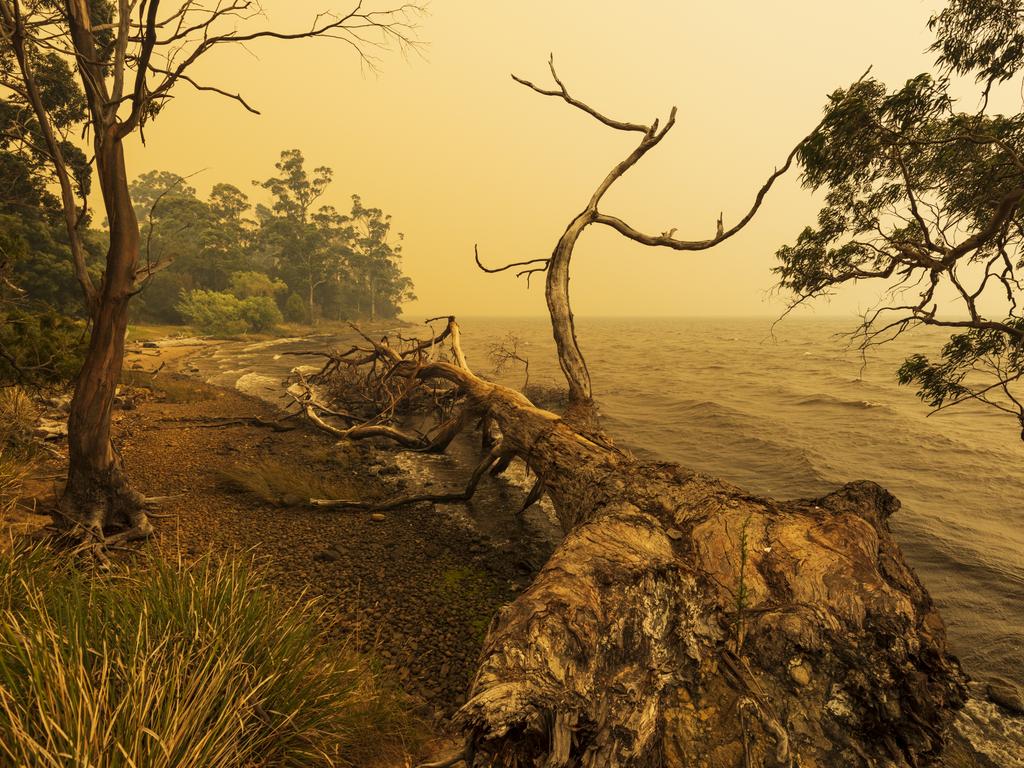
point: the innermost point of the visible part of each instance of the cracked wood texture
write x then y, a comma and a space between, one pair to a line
633, 648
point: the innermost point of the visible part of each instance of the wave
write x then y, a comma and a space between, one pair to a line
823, 399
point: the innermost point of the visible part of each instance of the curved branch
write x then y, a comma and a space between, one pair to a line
665, 239
563, 93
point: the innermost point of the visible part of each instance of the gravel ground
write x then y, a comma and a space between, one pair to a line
417, 588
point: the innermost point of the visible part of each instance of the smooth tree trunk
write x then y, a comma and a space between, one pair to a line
97, 495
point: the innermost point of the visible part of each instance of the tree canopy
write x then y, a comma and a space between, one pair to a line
924, 197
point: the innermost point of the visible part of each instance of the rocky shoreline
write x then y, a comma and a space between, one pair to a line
416, 587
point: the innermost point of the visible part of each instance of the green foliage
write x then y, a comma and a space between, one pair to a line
295, 310
199, 665
261, 313
965, 356
983, 37
39, 345
926, 200
247, 285
222, 313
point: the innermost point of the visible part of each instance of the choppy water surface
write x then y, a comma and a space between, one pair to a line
791, 417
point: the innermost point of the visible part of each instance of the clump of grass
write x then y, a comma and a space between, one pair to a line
18, 417
287, 484
14, 470
197, 666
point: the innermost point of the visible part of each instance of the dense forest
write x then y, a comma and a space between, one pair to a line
225, 264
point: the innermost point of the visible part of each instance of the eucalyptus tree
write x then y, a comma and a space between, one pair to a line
923, 197
131, 57
302, 236
375, 258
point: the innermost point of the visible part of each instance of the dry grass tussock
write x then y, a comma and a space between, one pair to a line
180, 666
171, 387
18, 415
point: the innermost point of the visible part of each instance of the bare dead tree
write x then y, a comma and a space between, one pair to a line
130, 56
556, 266
623, 651
506, 352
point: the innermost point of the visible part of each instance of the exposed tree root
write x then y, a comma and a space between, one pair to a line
640, 644
681, 621
276, 425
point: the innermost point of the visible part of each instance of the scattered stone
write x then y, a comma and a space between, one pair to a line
674, 533
800, 671
49, 429
1006, 695
378, 517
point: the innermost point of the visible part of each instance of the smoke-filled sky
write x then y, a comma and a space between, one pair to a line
459, 154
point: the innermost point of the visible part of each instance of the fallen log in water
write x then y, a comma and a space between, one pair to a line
685, 622
681, 621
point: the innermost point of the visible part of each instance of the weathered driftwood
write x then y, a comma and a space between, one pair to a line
681, 621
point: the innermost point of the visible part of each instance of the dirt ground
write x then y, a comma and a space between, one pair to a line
412, 588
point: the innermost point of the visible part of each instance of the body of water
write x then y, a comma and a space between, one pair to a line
791, 416
802, 413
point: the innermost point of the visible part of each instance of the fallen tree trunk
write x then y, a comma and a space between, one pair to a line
681, 621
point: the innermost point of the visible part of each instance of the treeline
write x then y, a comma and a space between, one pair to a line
228, 265
224, 264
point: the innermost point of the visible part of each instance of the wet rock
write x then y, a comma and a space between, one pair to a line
1006, 695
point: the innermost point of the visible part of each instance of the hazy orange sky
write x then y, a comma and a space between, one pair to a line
460, 154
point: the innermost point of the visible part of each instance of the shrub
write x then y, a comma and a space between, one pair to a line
224, 313
197, 666
40, 345
247, 285
213, 312
261, 313
295, 309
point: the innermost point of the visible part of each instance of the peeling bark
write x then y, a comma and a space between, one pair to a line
634, 648
681, 621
